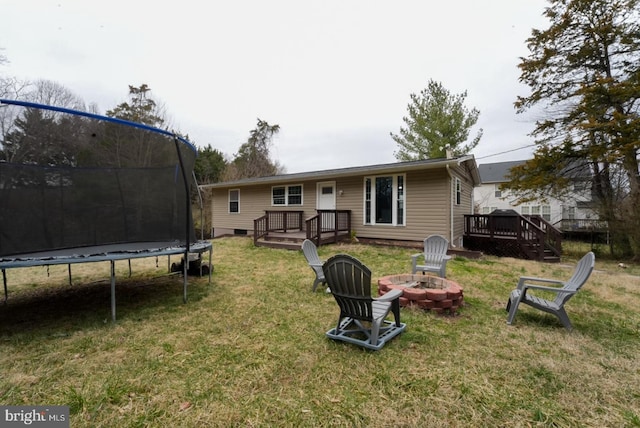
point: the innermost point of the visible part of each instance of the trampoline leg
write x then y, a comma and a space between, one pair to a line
69, 269
129, 268
185, 267
113, 291
4, 281
210, 264
184, 294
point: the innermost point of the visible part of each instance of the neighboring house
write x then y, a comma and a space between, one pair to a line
398, 201
488, 197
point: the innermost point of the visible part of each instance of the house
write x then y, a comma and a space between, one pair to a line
405, 201
564, 214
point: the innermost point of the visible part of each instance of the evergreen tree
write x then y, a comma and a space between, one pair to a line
210, 165
253, 158
437, 121
141, 108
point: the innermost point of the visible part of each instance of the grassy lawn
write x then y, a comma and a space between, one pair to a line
250, 349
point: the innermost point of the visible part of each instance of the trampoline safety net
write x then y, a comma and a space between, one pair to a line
72, 179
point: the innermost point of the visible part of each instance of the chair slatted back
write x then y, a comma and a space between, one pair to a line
580, 275
435, 248
310, 252
350, 283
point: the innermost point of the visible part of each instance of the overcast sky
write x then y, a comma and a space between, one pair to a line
336, 75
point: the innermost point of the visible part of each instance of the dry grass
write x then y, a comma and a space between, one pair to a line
250, 350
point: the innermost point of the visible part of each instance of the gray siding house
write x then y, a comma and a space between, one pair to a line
404, 201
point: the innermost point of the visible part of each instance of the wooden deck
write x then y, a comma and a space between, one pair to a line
287, 229
513, 235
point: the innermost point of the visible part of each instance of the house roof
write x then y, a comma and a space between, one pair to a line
496, 172
368, 169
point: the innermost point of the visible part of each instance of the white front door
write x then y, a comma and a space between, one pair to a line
326, 200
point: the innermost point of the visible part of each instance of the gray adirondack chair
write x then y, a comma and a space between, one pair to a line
565, 291
362, 319
311, 254
434, 256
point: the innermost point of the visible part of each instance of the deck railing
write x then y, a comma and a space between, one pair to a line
260, 228
582, 225
328, 221
277, 221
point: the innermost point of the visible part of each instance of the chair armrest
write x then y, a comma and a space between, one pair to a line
414, 262
389, 296
545, 288
521, 282
445, 258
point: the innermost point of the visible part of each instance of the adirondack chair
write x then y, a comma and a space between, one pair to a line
566, 290
434, 255
362, 319
311, 254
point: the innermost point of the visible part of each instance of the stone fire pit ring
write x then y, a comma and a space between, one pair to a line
424, 291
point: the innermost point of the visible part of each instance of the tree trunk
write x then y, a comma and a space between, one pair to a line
632, 211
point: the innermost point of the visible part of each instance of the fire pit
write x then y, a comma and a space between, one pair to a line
424, 291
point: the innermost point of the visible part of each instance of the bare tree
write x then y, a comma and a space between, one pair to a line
10, 88
52, 93
34, 135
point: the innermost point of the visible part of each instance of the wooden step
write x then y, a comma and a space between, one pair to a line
282, 244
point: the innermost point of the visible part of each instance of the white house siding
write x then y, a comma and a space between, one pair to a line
486, 200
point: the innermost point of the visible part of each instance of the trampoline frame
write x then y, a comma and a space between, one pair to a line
112, 254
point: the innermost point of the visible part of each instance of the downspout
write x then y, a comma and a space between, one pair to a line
451, 184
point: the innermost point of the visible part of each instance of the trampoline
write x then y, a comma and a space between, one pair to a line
77, 187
